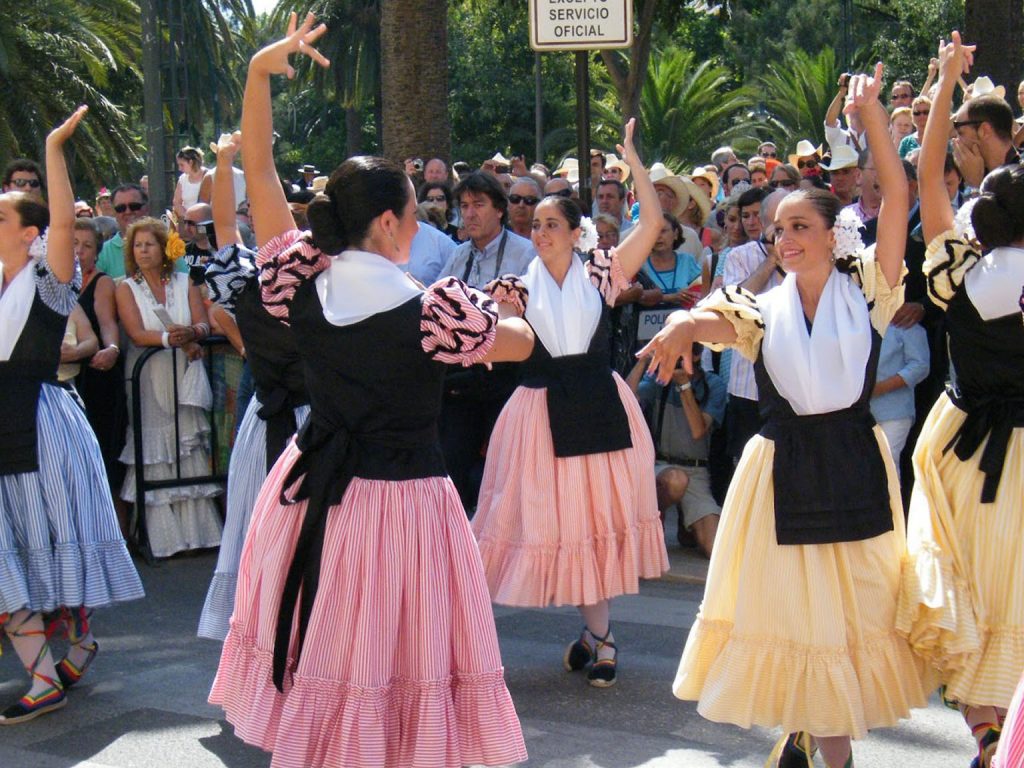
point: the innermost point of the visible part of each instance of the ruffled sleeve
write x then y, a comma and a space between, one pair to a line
58, 296
945, 263
458, 323
606, 274
227, 273
285, 263
739, 307
883, 301
511, 290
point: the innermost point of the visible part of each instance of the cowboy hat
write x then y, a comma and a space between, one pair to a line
612, 161
700, 172
843, 156
570, 169
983, 86
319, 184
698, 195
804, 148
308, 168
661, 175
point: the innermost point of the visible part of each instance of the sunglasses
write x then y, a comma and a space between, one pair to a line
920, 112
784, 183
812, 163
22, 183
526, 200
958, 124
432, 199
768, 153
560, 193
133, 207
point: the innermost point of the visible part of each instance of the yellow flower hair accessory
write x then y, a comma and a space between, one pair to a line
175, 246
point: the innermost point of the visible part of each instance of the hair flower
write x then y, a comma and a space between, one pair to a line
175, 246
588, 236
847, 232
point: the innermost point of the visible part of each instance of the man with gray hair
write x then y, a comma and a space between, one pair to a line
523, 197
723, 157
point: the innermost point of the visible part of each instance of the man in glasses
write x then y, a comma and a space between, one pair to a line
522, 199
558, 186
901, 95
130, 204
984, 137
768, 149
23, 175
611, 198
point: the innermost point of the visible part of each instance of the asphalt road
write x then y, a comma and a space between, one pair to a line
143, 703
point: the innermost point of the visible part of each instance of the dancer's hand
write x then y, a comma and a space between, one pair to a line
671, 344
626, 149
65, 130
273, 60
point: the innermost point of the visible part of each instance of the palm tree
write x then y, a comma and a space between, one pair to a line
797, 92
687, 108
56, 54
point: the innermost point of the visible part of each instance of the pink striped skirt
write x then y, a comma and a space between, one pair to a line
400, 665
566, 531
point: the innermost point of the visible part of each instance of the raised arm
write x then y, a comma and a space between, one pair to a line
271, 216
639, 241
936, 210
225, 223
60, 251
835, 107
892, 217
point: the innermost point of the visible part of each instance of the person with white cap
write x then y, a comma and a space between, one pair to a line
835, 134
806, 158
867, 206
615, 169
674, 196
844, 173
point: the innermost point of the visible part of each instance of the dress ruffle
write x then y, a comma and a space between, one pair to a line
566, 531
286, 262
459, 323
739, 307
946, 263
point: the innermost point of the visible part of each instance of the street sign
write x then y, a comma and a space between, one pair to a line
580, 25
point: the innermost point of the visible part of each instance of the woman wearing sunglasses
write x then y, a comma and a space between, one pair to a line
784, 177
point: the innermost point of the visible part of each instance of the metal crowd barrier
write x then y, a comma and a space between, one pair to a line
141, 483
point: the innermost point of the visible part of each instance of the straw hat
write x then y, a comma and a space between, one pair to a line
698, 195
983, 86
843, 156
500, 159
570, 169
700, 172
612, 161
804, 148
319, 184
661, 175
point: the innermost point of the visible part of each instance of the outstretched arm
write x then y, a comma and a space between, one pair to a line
225, 223
936, 210
674, 342
639, 241
892, 217
271, 216
60, 252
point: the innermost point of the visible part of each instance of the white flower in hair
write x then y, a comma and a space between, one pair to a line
848, 236
37, 249
962, 224
588, 236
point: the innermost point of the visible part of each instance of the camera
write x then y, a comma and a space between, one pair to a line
418, 164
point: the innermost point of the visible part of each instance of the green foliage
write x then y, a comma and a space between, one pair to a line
55, 55
687, 109
797, 91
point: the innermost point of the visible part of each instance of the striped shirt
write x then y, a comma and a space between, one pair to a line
740, 264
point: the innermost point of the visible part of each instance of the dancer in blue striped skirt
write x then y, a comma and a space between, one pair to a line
281, 404
60, 544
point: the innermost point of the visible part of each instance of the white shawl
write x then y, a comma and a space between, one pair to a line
564, 318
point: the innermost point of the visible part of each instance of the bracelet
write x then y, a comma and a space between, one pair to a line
683, 387
201, 330
115, 347
165, 339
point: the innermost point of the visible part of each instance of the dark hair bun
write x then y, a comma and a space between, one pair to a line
325, 226
998, 215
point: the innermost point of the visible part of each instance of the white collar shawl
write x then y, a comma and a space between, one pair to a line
15, 305
358, 285
994, 283
564, 318
822, 371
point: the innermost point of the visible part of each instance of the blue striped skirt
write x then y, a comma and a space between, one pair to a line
60, 544
246, 473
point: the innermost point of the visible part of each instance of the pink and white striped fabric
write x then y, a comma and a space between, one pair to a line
1010, 753
400, 665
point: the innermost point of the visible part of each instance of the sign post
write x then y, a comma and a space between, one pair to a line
581, 26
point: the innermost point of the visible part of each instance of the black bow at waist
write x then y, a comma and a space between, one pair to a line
277, 409
331, 457
991, 416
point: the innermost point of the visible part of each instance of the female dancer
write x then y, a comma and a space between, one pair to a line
362, 633
797, 626
964, 596
60, 546
281, 403
568, 511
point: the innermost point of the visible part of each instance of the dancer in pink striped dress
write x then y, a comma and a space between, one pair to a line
568, 511
362, 633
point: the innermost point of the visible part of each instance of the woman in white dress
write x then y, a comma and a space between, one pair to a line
186, 192
183, 518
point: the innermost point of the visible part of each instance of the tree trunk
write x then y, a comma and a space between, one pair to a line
629, 80
414, 78
353, 131
997, 29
